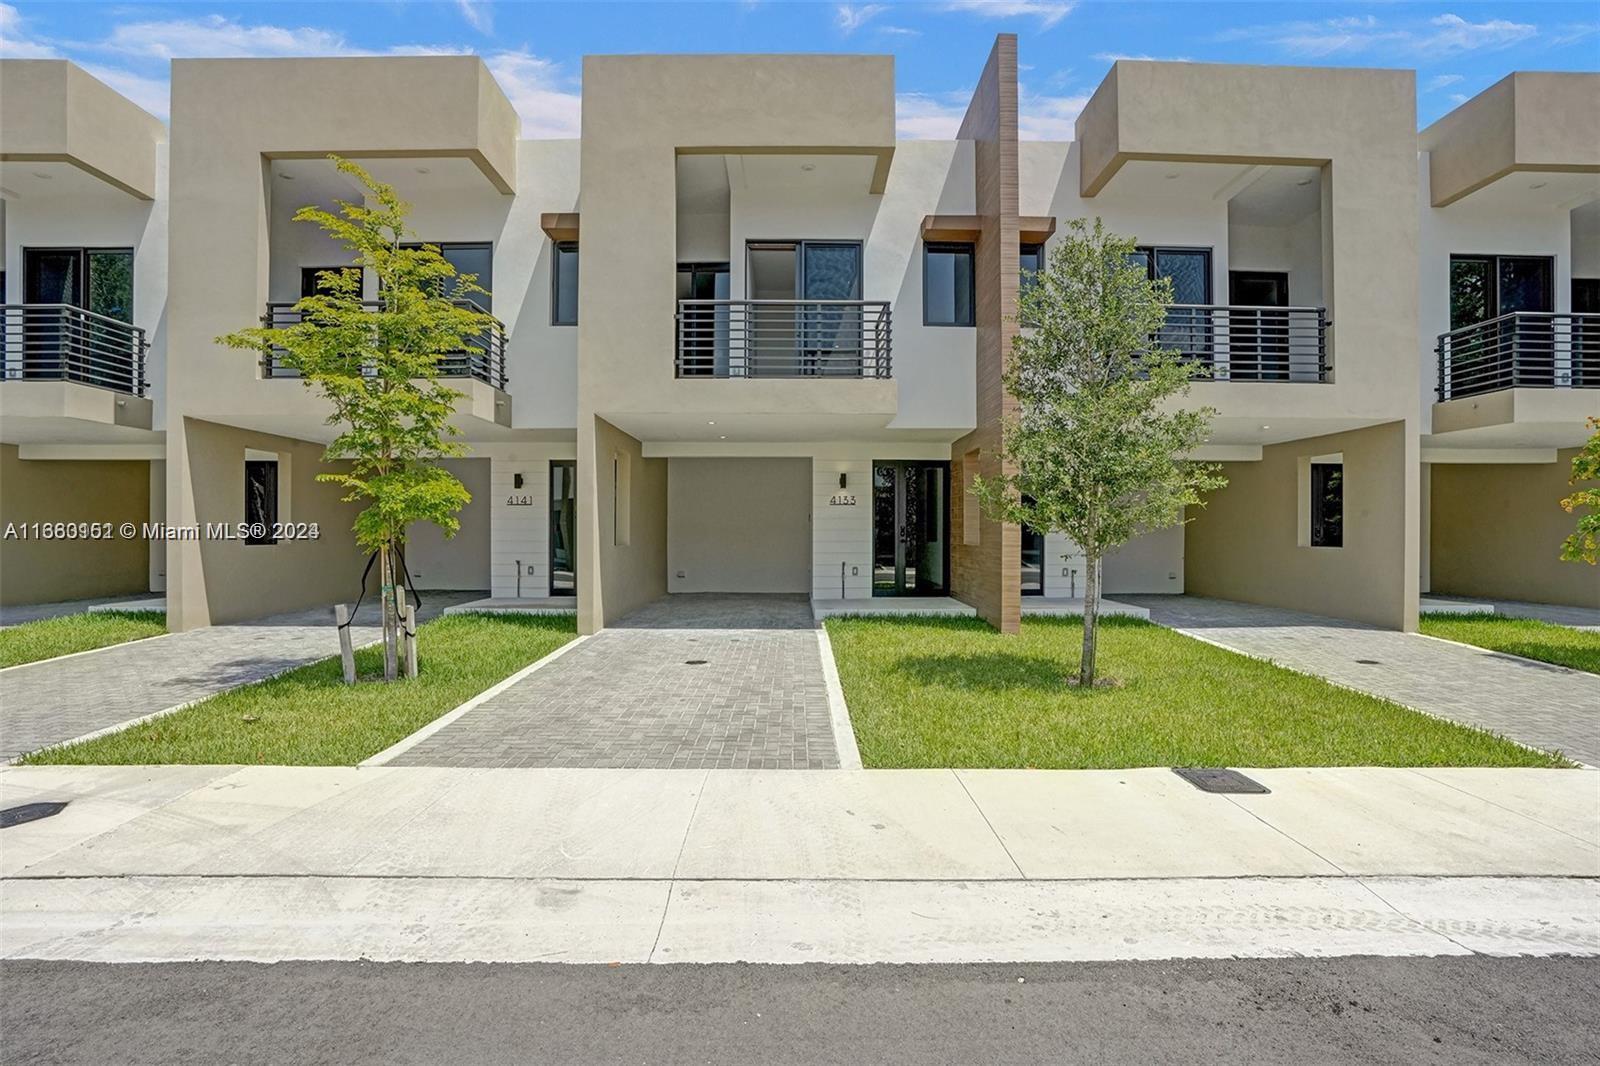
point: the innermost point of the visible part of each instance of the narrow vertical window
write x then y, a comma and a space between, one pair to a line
948, 295
1327, 505
564, 284
260, 500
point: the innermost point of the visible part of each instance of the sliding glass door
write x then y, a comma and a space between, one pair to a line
793, 337
910, 528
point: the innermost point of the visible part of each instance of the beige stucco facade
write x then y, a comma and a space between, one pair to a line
52, 111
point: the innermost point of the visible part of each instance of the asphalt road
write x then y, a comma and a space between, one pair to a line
1449, 1010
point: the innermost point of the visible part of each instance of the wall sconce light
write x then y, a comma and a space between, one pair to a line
516, 481
842, 480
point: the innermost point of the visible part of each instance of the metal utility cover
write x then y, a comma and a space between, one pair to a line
1218, 779
28, 812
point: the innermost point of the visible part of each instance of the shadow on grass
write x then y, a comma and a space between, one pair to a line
986, 672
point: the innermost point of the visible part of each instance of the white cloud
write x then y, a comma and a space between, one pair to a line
15, 41
1047, 12
477, 14
1048, 118
1574, 33
218, 37
1459, 98
929, 116
1112, 57
1439, 81
548, 105
900, 31
851, 17
1444, 35
152, 94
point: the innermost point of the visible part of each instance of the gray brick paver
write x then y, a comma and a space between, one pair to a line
627, 698
1534, 703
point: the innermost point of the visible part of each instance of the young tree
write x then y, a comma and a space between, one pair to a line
378, 368
1096, 444
1583, 546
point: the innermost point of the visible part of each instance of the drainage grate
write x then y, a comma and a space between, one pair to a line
28, 812
1217, 779
695, 662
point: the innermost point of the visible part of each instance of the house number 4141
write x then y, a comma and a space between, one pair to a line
523, 500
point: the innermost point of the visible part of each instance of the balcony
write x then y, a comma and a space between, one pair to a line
1520, 350
1251, 343
783, 339
486, 363
60, 342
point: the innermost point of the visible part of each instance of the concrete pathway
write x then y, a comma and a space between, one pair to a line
689, 682
62, 699
387, 863
1576, 617
1544, 706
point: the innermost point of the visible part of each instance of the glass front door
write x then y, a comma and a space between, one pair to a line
1032, 562
563, 527
910, 524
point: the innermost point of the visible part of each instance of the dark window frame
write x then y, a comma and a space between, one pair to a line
970, 248
1494, 259
268, 514
310, 274
1152, 253
442, 245
1326, 532
83, 252
558, 249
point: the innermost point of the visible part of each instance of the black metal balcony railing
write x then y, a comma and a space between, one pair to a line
1251, 343
486, 363
59, 342
783, 339
1520, 350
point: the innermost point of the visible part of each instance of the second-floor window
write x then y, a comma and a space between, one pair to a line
564, 284
949, 297
475, 258
96, 279
1488, 286
1031, 258
1188, 268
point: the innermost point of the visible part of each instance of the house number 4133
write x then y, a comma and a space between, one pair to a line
842, 499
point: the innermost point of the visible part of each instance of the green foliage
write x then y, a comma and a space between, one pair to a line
1096, 445
1584, 544
378, 367
1576, 649
49, 637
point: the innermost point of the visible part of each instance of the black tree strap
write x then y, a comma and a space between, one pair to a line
348, 622
407, 584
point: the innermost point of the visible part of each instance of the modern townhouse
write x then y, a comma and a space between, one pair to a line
83, 225
777, 363
1510, 206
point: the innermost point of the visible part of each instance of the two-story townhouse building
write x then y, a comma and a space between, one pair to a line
83, 228
785, 363
1510, 303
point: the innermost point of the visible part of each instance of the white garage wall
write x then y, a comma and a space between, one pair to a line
738, 525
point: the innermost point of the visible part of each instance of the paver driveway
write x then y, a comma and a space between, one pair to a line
56, 700
1544, 706
690, 681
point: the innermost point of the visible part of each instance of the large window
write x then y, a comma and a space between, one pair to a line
1488, 286
1327, 505
96, 279
948, 293
260, 500
564, 284
1189, 269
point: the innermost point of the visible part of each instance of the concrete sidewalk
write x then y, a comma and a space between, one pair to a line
670, 865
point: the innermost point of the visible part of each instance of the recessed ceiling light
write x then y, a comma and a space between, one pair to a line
1266, 427
423, 170
723, 437
808, 166
1174, 174
286, 177
42, 176
711, 422
1538, 185
1303, 181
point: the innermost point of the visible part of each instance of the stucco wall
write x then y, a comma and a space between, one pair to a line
461, 561
1496, 530
616, 578
739, 525
240, 581
1245, 543
41, 571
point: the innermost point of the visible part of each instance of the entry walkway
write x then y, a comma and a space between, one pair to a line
57, 700
1537, 704
690, 681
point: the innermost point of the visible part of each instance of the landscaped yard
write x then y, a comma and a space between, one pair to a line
952, 692
49, 637
1527, 637
309, 717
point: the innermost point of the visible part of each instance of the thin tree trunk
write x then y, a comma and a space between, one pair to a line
386, 602
1091, 618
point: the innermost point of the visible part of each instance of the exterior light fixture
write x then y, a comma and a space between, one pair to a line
842, 480
516, 481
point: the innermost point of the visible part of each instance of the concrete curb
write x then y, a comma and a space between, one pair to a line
406, 744
844, 734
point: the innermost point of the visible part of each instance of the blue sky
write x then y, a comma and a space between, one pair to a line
535, 49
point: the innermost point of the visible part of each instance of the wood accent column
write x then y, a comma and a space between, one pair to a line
986, 556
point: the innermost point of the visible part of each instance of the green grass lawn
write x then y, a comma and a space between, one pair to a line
49, 637
1527, 637
310, 717
953, 692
